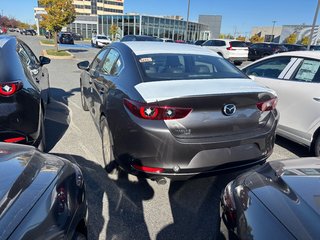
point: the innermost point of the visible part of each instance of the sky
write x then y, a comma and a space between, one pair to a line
237, 16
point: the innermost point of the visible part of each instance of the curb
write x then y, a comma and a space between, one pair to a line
49, 45
44, 53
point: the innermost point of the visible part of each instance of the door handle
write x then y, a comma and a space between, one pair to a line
316, 99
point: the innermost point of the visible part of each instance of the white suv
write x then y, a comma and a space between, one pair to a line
233, 50
100, 41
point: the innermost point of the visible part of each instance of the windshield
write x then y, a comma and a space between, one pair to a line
182, 66
238, 44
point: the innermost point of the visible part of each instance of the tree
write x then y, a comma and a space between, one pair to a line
59, 14
113, 30
291, 39
256, 39
305, 40
241, 38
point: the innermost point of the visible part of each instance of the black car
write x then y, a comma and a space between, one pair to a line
315, 47
259, 50
31, 32
65, 38
279, 200
176, 110
77, 36
24, 93
42, 196
295, 47
130, 38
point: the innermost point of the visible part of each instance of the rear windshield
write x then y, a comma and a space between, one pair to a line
157, 67
102, 37
238, 44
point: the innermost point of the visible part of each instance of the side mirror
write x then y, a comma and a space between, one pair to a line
44, 60
83, 65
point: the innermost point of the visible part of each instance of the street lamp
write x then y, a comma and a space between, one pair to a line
274, 22
313, 24
186, 33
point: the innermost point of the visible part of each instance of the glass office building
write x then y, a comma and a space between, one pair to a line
162, 27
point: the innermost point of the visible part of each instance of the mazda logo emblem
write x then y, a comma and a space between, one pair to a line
229, 109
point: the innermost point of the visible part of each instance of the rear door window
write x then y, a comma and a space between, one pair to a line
238, 44
309, 71
110, 61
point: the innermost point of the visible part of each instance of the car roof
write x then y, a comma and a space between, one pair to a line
305, 54
4, 39
145, 47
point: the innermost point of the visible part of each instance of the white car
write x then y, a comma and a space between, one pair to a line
100, 41
295, 76
233, 50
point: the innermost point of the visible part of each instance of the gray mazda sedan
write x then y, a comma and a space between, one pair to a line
175, 110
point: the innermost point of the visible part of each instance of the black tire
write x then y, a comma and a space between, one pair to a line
107, 150
83, 101
317, 146
79, 236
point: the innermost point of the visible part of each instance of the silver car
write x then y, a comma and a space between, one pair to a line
295, 76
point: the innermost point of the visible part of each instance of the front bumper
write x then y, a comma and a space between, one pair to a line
156, 147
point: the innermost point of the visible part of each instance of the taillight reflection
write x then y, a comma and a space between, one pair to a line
267, 105
10, 88
153, 112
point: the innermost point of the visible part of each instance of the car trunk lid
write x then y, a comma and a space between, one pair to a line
220, 107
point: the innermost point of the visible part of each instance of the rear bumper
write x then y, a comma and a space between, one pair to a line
155, 147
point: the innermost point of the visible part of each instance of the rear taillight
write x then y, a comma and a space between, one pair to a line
230, 48
8, 89
147, 169
267, 105
153, 112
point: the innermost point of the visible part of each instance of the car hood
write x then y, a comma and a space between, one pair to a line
25, 174
290, 189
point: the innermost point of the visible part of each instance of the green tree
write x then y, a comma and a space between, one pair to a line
256, 39
113, 31
241, 38
291, 39
59, 14
305, 40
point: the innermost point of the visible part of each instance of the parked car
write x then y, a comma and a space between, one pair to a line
77, 36
199, 42
260, 50
100, 41
65, 38
24, 93
31, 32
129, 38
233, 50
315, 47
42, 196
279, 200
295, 76
295, 47
176, 110
166, 40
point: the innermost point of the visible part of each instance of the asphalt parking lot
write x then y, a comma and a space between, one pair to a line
125, 207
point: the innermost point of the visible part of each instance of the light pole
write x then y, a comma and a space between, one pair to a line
274, 22
313, 24
186, 33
